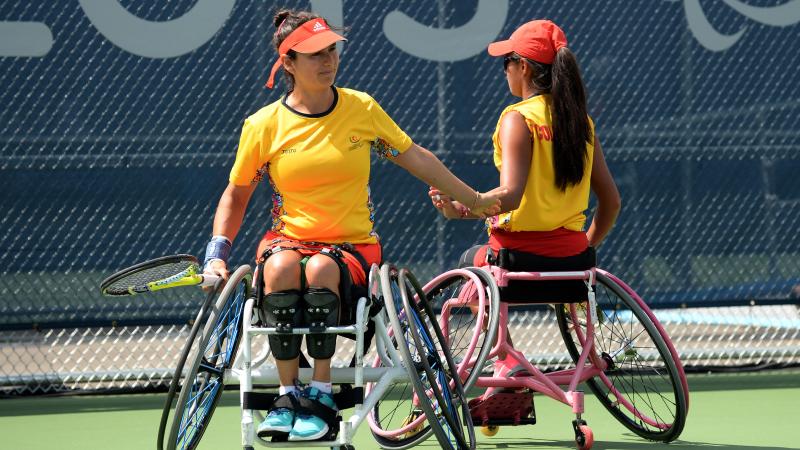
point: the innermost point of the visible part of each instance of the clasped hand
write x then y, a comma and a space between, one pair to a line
486, 204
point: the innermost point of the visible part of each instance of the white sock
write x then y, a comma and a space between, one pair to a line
283, 390
322, 386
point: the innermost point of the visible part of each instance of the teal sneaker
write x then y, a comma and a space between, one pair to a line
278, 421
308, 427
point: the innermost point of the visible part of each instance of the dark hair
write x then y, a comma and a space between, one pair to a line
286, 21
571, 130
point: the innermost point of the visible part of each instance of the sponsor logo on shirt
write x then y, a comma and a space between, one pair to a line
355, 142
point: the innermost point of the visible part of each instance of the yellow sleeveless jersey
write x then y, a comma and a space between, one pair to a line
319, 165
543, 207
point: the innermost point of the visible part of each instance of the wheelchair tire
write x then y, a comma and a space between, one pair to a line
214, 353
434, 355
187, 348
460, 293
396, 409
644, 387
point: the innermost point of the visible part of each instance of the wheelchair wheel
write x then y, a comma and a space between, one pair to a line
434, 355
424, 404
643, 386
199, 320
215, 350
469, 301
397, 421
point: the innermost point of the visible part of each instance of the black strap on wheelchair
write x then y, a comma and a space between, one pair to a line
348, 397
259, 285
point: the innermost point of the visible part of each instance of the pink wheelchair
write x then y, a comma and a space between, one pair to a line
619, 349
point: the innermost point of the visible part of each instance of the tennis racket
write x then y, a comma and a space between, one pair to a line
155, 275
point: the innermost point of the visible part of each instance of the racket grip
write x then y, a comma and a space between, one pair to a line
208, 280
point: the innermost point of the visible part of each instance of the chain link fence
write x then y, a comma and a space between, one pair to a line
120, 123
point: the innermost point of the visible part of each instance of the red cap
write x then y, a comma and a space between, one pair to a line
310, 37
538, 40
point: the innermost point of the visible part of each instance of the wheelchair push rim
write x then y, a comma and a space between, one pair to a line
217, 346
469, 302
438, 364
402, 339
643, 386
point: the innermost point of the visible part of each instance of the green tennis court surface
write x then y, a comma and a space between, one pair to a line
727, 411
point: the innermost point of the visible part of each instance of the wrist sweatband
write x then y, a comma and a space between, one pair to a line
219, 247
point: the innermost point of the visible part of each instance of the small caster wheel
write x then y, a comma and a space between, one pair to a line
490, 430
585, 438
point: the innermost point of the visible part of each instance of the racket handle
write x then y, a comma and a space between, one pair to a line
208, 280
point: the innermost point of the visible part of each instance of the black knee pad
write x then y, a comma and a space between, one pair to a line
320, 310
284, 311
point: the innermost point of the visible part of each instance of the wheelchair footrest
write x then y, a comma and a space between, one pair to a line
503, 408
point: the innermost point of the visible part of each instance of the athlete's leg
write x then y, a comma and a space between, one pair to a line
282, 274
323, 277
280, 307
321, 307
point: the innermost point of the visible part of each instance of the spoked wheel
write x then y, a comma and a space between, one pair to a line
397, 421
215, 349
439, 368
401, 431
187, 348
643, 386
469, 303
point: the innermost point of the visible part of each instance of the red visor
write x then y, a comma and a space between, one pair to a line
310, 37
538, 40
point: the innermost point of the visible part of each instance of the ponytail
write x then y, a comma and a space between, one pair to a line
571, 129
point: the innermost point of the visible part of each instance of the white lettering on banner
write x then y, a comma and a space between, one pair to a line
25, 39
777, 16
198, 25
450, 44
158, 39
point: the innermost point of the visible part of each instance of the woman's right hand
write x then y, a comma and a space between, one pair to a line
217, 268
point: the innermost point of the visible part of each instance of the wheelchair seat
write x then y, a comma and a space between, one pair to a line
539, 291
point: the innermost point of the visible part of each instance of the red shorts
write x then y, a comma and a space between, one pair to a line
559, 243
370, 252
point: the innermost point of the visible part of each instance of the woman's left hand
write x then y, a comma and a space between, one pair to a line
488, 203
443, 203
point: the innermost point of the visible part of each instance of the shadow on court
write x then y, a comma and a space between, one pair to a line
641, 445
32, 406
744, 381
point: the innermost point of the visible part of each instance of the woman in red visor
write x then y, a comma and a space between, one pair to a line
314, 145
549, 159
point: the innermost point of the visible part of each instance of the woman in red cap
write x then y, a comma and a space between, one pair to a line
549, 158
314, 146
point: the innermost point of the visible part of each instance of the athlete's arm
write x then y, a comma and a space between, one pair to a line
228, 219
427, 167
608, 199
515, 139
517, 145
231, 208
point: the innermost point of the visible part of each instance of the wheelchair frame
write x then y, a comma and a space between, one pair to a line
219, 361
590, 364
441, 403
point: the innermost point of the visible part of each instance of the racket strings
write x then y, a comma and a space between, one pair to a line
146, 275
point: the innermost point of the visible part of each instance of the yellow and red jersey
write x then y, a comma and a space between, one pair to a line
319, 165
544, 207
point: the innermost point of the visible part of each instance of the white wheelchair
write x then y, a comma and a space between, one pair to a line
409, 352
